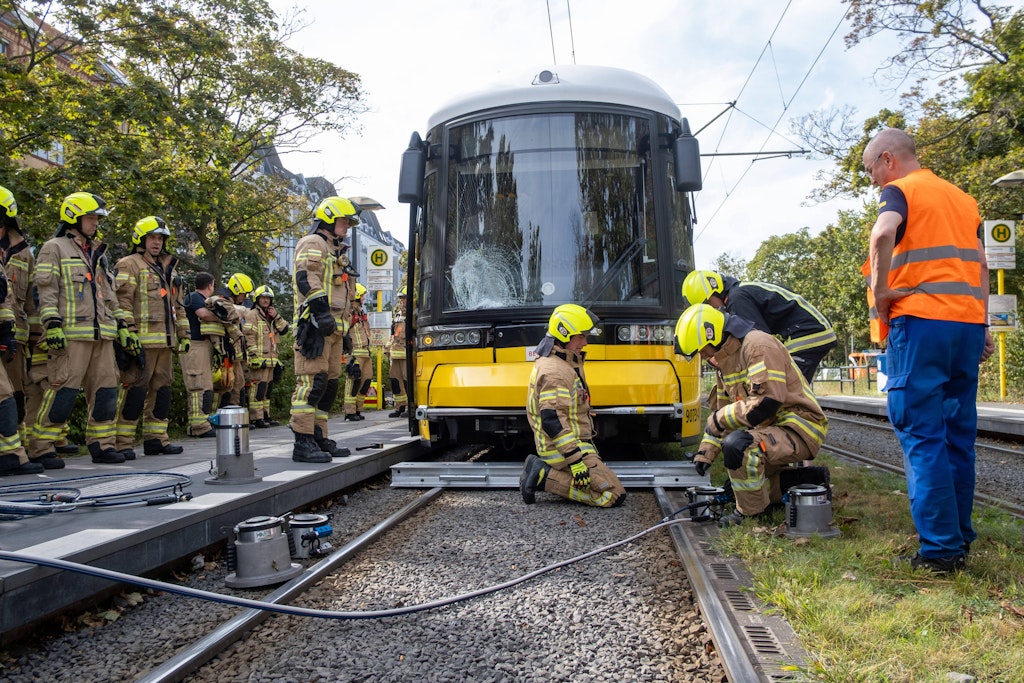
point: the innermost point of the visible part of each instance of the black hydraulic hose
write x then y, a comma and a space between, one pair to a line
307, 612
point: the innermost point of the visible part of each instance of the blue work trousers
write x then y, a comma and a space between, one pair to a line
933, 387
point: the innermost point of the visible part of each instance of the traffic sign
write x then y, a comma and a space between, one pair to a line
1000, 244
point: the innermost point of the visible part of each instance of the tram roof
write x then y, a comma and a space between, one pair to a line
568, 83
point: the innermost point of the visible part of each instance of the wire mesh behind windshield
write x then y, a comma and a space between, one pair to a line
550, 209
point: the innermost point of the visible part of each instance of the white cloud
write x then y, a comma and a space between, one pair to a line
413, 55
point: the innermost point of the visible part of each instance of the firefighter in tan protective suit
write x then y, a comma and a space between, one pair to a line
323, 284
397, 354
228, 340
558, 409
81, 318
764, 417
263, 329
149, 293
359, 369
13, 457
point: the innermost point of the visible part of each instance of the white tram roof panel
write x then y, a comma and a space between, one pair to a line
567, 83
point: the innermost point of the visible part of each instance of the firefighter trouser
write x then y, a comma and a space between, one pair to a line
35, 387
316, 387
355, 389
259, 393
932, 403
10, 437
145, 392
756, 481
232, 395
17, 373
87, 365
197, 371
605, 487
398, 382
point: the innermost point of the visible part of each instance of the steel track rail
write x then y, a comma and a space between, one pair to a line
739, 666
886, 427
213, 644
984, 498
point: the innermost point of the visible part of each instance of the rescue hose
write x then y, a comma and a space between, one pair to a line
308, 612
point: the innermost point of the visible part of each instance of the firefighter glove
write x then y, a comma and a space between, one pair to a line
307, 340
701, 467
8, 346
352, 368
183, 344
129, 341
55, 339
256, 363
580, 475
346, 344
229, 349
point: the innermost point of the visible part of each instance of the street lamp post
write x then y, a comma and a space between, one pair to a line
1012, 179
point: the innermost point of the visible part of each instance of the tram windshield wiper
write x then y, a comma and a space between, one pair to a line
624, 258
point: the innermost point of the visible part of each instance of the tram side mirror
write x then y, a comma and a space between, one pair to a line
410, 179
686, 151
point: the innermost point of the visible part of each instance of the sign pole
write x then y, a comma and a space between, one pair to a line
1000, 252
1002, 342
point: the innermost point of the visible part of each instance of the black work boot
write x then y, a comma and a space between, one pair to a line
49, 461
532, 478
127, 453
306, 450
329, 445
398, 413
939, 565
157, 447
104, 456
11, 465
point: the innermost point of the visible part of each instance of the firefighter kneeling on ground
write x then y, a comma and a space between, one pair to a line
764, 417
558, 408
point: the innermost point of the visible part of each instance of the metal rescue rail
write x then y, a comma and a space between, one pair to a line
503, 475
753, 644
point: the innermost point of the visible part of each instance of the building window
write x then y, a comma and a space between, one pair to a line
3, 46
55, 154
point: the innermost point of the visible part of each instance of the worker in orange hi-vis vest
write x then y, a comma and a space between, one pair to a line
929, 284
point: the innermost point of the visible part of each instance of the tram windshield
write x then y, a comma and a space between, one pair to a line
550, 209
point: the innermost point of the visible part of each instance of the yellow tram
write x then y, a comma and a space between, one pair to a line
569, 184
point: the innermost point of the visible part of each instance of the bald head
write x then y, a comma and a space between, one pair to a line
890, 155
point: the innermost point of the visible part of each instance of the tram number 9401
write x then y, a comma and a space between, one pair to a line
691, 415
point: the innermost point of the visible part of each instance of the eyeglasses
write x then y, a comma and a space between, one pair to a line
871, 168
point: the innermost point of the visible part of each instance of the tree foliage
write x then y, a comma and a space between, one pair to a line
185, 125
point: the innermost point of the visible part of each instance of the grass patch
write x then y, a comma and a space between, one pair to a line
863, 616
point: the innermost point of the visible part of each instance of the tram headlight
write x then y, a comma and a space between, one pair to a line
444, 339
473, 337
459, 338
625, 334
428, 340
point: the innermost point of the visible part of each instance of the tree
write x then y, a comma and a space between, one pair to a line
186, 131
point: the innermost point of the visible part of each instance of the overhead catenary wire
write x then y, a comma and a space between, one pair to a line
785, 109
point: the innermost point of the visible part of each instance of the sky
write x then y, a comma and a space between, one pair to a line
777, 59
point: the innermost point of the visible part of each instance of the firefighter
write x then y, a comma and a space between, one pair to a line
195, 354
558, 409
81, 318
13, 457
149, 293
323, 283
263, 329
396, 355
806, 332
227, 338
763, 414
359, 369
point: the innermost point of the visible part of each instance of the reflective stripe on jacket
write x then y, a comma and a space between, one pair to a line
938, 256
75, 289
152, 305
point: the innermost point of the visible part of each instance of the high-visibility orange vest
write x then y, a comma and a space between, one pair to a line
938, 257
